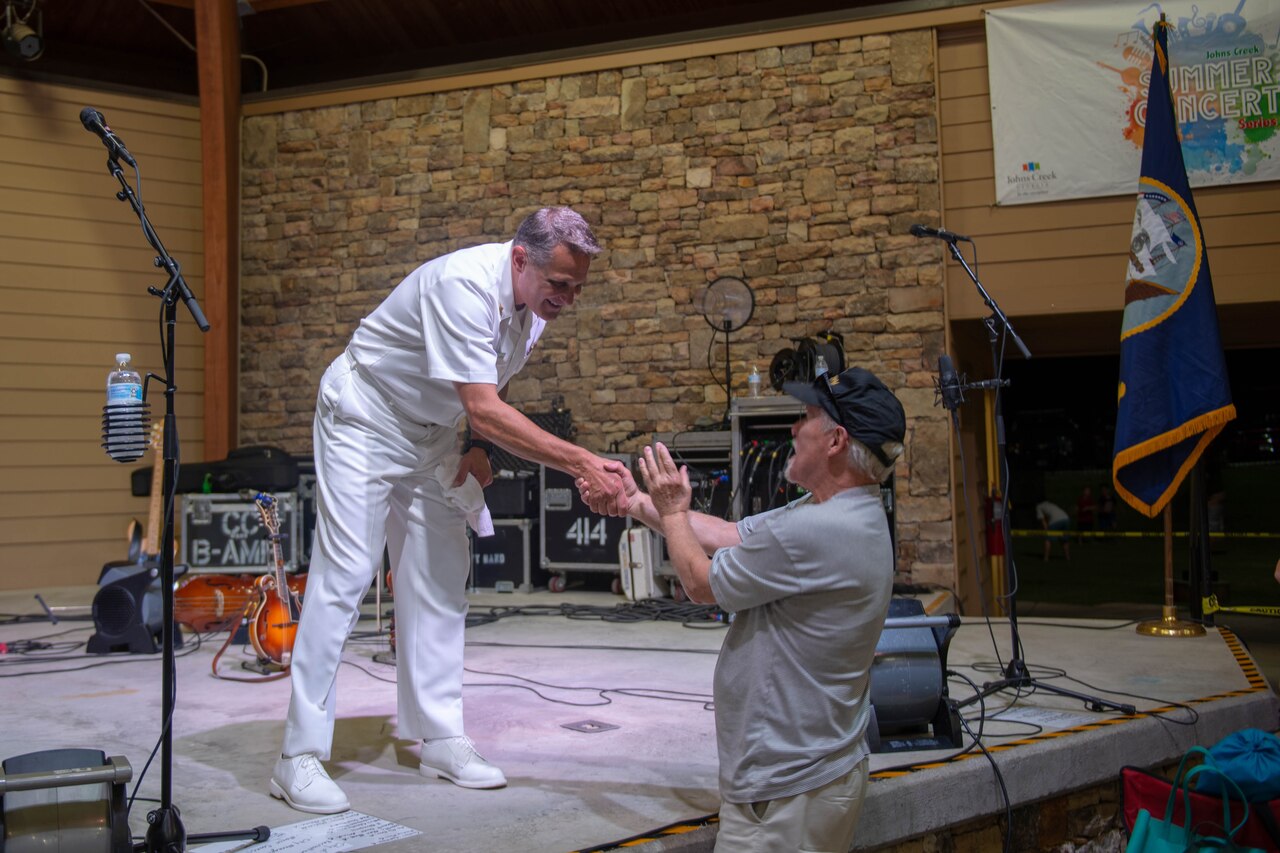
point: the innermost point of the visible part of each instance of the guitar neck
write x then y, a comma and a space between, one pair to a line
282, 580
271, 519
151, 545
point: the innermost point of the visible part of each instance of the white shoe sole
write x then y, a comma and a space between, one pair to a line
430, 772
280, 794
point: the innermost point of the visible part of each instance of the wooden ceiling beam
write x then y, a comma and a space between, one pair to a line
254, 5
218, 55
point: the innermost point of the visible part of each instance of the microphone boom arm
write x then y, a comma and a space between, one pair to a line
177, 285
989, 302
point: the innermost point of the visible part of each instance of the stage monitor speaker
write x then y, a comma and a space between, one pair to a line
128, 612
910, 709
64, 799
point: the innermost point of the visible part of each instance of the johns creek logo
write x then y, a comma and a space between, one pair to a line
1031, 178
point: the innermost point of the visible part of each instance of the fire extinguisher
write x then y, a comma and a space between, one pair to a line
995, 525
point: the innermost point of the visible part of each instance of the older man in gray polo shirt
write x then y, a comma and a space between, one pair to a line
809, 584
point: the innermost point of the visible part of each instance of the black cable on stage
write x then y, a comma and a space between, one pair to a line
977, 740
1004, 792
107, 660
973, 544
1195, 715
740, 468
645, 610
1115, 627
657, 693
580, 647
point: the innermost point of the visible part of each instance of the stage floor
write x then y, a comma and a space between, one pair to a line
643, 756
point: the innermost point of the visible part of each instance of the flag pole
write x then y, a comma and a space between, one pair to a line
1170, 625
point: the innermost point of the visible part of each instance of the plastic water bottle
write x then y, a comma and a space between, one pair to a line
753, 382
819, 367
123, 428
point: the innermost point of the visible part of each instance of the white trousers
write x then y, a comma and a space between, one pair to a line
376, 483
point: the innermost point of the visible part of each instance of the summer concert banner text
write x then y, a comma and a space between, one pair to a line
1069, 83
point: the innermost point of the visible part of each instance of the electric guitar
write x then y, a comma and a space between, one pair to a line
274, 624
144, 551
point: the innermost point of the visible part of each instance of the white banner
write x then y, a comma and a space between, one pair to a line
1069, 94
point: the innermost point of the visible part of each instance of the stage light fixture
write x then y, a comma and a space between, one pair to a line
20, 39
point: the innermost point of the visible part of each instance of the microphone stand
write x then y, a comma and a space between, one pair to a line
1016, 674
166, 834
728, 388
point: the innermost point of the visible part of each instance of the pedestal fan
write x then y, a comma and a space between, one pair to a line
727, 305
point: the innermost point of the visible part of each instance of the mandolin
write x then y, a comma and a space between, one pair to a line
274, 624
211, 602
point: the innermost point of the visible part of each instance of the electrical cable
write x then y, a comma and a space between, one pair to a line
656, 693
739, 487
973, 539
107, 660
749, 480
1004, 791
711, 368
771, 480
977, 739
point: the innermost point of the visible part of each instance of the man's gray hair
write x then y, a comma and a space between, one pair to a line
861, 459
544, 229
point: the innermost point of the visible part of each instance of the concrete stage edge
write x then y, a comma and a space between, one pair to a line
533, 673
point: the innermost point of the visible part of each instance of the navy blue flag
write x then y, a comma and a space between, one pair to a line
1173, 397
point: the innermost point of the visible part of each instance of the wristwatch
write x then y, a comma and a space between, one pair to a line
486, 446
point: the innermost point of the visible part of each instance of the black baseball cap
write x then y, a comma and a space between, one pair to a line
860, 403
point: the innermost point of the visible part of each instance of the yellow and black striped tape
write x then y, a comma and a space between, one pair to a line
670, 829
1135, 534
1247, 667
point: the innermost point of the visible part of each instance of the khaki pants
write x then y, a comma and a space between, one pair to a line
817, 821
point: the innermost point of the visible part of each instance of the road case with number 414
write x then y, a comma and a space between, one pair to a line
573, 538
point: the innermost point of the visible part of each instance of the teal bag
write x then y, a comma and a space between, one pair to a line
1251, 757
1165, 836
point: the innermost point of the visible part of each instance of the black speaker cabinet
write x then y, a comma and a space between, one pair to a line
128, 612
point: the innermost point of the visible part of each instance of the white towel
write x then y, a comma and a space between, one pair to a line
469, 497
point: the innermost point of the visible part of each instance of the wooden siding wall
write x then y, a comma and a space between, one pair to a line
74, 272
1061, 258
1057, 269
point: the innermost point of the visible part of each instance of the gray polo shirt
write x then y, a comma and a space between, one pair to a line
810, 586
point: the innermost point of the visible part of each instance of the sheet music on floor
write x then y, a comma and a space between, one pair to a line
330, 834
1045, 717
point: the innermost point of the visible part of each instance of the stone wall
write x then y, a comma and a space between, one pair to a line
1086, 821
798, 168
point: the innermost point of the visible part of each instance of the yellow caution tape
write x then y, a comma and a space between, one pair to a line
1136, 534
1211, 605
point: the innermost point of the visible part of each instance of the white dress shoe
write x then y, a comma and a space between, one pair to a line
302, 782
456, 759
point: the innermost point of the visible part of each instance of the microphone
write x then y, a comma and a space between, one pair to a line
949, 384
919, 230
94, 122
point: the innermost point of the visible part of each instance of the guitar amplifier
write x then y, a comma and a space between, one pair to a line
224, 533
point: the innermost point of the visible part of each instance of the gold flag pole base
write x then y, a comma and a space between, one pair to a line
1169, 626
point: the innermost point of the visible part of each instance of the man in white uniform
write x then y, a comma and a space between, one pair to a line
441, 347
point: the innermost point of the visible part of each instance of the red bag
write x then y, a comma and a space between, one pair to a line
1143, 790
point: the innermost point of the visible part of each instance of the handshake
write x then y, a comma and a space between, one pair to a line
610, 489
